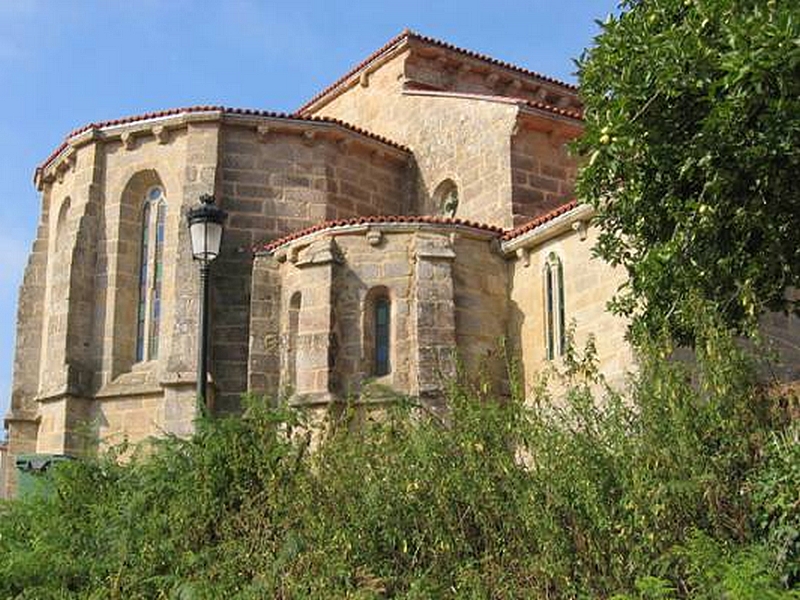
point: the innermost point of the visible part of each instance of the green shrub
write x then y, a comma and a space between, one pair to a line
682, 487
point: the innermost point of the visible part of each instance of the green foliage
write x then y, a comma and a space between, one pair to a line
692, 143
685, 487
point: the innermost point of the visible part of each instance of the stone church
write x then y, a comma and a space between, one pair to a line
405, 220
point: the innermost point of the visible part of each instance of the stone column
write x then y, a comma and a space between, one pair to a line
433, 311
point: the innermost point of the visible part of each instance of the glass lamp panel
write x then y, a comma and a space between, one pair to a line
213, 239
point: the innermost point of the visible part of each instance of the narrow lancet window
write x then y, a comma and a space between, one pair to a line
382, 336
158, 273
151, 265
555, 308
141, 310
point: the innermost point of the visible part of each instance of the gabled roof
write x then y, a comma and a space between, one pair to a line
402, 39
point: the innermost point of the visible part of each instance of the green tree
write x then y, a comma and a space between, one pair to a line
692, 149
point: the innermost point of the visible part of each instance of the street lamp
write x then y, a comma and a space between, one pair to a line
205, 229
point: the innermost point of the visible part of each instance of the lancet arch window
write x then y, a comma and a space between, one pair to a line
382, 317
554, 307
151, 274
378, 332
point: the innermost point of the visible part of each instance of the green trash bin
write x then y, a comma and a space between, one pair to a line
32, 473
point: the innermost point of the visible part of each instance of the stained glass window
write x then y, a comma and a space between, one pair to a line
158, 268
151, 264
382, 318
141, 311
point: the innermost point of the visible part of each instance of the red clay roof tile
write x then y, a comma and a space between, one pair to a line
540, 220
408, 34
214, 108
499, 232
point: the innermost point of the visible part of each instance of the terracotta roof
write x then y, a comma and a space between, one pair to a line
427, 219
564, 112
408, 34
499, 232
540, 220
214, 108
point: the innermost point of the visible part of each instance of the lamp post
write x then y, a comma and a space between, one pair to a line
205, 229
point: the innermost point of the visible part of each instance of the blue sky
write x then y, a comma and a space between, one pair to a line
65, 63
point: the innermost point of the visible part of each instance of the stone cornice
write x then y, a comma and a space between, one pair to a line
288, 247
161, 125
575, 219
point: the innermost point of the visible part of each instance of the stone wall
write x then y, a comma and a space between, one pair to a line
589, 283
542, 172
463, 139
338, 273
481, 277
275, 180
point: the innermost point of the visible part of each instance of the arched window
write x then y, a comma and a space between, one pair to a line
446, 198
555, 311
294, 329
382, 336
151, 267
377, 331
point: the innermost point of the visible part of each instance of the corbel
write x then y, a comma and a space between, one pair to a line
294, 252
541, 94
308, 136
345, 144
524, 254
280, 256
363, 79
128, 140
374, 236
581, 227
262, 132
70, 158
162, 134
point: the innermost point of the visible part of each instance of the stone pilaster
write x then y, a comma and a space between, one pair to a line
263, 366
200, 171
433, 311
315, 351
